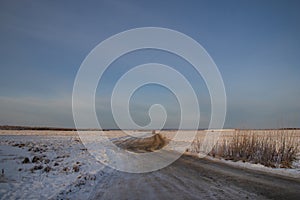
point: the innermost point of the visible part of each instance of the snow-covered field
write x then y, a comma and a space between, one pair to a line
56, 165
37, 167
50, 164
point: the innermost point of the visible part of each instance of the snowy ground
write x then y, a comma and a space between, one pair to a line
293, 172
56, 165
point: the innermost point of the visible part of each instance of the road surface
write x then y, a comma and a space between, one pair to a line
194, 178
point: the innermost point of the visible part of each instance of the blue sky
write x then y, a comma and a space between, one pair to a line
255, 44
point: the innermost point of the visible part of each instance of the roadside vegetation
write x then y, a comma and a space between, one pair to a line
276, 148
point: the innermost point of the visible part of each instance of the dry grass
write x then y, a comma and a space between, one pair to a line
276, 148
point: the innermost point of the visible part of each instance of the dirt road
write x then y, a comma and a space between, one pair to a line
190, 178
194, 178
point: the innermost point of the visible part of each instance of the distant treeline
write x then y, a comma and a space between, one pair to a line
8, 127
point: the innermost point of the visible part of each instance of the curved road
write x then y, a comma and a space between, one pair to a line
193, 178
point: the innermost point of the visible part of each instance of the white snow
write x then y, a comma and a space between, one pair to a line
293, 172
65, 151
20, 181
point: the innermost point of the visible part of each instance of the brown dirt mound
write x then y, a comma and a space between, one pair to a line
141, 145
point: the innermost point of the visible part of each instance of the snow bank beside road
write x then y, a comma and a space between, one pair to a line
292, 173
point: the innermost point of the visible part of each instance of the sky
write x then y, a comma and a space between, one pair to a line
255, 45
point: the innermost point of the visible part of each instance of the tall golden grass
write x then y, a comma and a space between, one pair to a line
272, 148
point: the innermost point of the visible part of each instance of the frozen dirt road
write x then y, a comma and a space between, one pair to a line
187, 178
193, 178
